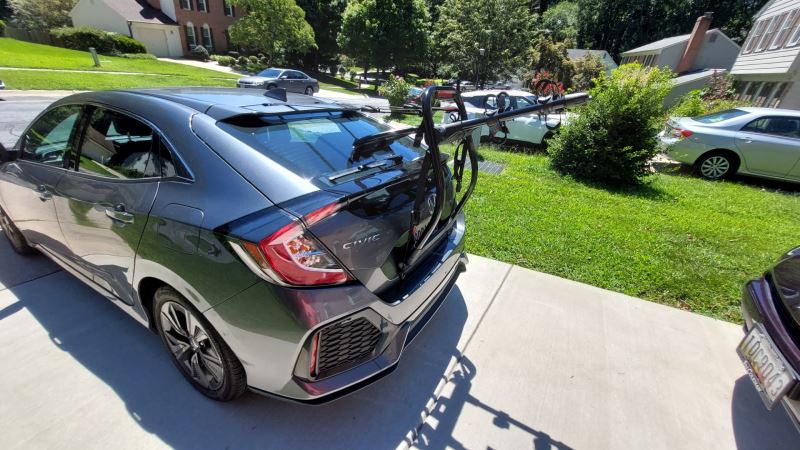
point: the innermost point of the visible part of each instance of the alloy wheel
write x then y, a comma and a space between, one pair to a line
190, 344
715, 167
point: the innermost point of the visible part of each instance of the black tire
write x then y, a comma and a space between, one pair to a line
14, 236
271, 86
309, 91
204, 359
717, 165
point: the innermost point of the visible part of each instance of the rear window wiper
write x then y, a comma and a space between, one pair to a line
385, 162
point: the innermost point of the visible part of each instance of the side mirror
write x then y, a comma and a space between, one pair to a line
7, 155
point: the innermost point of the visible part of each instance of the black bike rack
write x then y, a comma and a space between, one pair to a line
456, 131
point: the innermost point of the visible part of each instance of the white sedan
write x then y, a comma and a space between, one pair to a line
531, 129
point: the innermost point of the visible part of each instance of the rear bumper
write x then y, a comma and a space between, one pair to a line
683, 150
758, 306
269, 328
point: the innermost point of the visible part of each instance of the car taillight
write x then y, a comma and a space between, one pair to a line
680, 133
291, 255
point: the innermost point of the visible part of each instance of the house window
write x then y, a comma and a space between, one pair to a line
775, 101
191, 38
763, 94
202, 5
755, 36
786, 24
772, 26
208, 41
186, 4
228, 8
794, 35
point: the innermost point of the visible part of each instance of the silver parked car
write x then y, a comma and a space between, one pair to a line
291, 80
764, 142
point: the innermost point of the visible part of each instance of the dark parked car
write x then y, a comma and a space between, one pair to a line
770, 349
291, 80
245, 230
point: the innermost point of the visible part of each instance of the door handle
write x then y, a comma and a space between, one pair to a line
747, 140
44, 193
119, 214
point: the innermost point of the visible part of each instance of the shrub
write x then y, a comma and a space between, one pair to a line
226, 60
613, 137
81, 38
690, 105
199, 53
234, 55
2, 27
241, 61
587, 69
252, 59
125, 44
352, 75
395, 89
263, 60
342, 71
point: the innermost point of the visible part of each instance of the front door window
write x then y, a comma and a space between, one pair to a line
49, 139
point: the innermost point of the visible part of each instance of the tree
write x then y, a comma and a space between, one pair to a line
274, 27
325, 18
619, 25
503, 28
385, 33
587, 69
562, 21
549, 56
41, 15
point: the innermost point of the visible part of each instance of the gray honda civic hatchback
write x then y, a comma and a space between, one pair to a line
243, 228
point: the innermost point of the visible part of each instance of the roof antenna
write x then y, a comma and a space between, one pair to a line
277, 94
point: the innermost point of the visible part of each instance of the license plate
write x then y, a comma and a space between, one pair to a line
772, 376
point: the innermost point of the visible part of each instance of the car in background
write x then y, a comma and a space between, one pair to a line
246, 231
289, 79
414, 96
763, 142
2, 85
770, 350
527, 130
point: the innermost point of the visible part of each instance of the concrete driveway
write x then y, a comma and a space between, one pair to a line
514, 359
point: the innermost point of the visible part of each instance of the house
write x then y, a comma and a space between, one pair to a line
695, 57
575, 54
168, 28
767, 71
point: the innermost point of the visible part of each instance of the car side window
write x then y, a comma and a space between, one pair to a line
776, 126
118, 146
170, 165
49, 139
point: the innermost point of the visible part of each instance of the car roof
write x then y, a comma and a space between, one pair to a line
515, 92
223, 103
770, 111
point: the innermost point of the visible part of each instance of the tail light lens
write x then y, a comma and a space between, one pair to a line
680, 133
292, 256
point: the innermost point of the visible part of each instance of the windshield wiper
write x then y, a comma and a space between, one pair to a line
385, 162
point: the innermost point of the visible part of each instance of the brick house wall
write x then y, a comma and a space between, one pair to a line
215, 18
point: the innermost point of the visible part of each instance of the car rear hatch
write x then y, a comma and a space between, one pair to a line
362, 209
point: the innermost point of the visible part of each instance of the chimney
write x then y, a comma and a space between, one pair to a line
695, 42
155, 4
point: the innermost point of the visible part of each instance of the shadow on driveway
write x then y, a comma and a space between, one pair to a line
131, 361
755, 427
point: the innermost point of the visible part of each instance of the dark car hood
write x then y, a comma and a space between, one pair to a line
786, 278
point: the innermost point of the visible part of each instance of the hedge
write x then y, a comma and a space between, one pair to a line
81, 38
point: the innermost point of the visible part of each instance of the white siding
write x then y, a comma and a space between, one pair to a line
780, 60
168, 8
95, 13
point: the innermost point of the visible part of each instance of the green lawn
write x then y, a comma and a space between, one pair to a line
679, 240
14, 53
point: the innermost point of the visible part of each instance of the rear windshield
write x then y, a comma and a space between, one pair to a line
317, 144
269, 73
720, 116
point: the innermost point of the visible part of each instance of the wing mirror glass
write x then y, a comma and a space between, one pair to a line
7, 155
